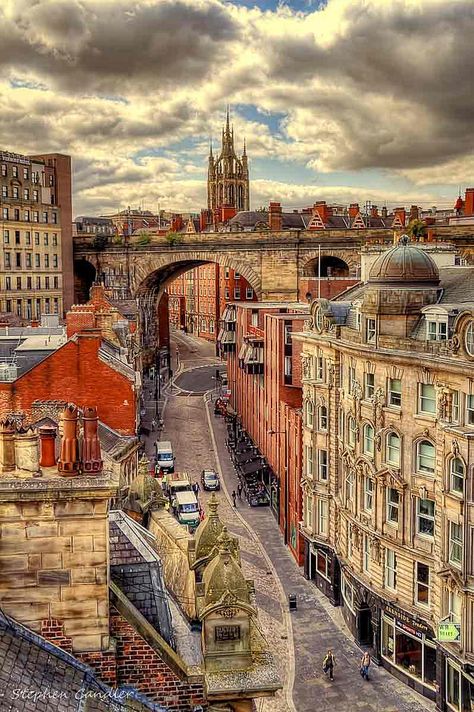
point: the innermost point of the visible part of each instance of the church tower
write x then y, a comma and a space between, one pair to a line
228, 175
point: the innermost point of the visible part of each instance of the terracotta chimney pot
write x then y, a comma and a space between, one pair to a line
68, 463
91, 455
47, 436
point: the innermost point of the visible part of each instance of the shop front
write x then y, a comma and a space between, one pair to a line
321, 565
455, 683
408, 649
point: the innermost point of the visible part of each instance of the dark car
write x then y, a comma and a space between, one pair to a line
210, 480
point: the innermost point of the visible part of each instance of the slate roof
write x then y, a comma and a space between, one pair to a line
36, 676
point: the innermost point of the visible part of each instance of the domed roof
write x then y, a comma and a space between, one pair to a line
405, 264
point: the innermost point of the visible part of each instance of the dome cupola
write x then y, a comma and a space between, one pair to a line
405, 264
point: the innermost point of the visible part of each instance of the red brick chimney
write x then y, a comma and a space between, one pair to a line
384, 212
68, 463
469, 202
374, 213
275, 219
414, 213
176, 223
47, 437
354, 210
324, 211
401, 214
91, 455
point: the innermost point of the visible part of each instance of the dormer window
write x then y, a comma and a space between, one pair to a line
371, 330
436, 330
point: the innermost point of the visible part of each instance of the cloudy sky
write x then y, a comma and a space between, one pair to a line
341, 100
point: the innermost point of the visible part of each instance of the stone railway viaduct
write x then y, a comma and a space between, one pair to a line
276, 264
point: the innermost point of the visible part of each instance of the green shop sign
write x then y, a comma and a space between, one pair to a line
449, 632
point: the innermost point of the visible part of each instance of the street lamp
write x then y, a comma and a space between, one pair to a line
287, 500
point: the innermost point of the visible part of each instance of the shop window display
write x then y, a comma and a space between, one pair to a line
412, 652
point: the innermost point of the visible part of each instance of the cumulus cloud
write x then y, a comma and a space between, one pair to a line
361, 84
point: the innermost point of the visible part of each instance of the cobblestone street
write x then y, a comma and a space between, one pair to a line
300, 639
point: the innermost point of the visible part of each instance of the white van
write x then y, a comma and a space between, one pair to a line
164, 455
187, 508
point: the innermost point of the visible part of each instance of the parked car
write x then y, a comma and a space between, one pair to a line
210, 480
164, 455
186, 509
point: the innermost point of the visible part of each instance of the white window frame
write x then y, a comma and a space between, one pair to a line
369, 388
349, 481
469, 400
322, 418
455, 407
319, 368
456, 475
366, 439
351, 431
249, 293
309, 460
436, 329
422, 585
390, 577
425, 516
424, 399
420, 458
365, 552
323, 469
455, 543
309, 413
371, 330
368, 494
390, 448
394, 394
308, 512
392, 507
323, 517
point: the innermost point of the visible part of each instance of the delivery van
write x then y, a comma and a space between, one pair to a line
187, 509
164, 455
178, 482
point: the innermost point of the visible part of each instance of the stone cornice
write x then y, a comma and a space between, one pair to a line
55, 488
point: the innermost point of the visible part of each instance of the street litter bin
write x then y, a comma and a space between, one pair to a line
292, 602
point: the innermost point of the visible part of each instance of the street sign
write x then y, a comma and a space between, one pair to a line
449, 632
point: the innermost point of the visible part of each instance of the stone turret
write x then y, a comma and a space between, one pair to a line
145, 493
204, 546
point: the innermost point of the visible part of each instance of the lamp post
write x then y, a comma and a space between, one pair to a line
287, 500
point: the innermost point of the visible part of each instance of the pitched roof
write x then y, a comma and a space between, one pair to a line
53, 680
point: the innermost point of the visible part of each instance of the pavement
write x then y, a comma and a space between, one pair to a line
298, 639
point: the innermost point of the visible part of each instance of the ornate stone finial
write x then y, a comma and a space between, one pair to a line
213, 505
224, 542
144, 465
404, 240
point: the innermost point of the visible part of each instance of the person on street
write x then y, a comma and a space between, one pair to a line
328, 664
196, 488
153, 424
364, 665
234, 496
174, 505
239, 490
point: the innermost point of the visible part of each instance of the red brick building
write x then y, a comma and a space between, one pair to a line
90, 362
264, 377
198, 298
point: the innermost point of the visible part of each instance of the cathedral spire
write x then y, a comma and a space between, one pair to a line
245, 147
227, 123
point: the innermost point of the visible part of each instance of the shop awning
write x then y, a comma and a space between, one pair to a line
249, 468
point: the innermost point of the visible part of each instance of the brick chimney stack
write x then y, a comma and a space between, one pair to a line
384, 212
469, 202
91, 455
68, 463
275, 218
374, 213
7, 446
414, 213
401, 214
324, 210
47, 436
354, 210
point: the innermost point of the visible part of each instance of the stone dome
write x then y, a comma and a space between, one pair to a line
405, 264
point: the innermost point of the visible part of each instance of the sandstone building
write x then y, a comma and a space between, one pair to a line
387, 466
36, 266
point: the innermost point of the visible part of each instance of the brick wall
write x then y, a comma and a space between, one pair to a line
75, 373
134, 662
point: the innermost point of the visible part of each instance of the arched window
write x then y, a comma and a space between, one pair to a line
309, 413
351, 431
369, 442
323, 418
393, 449
456, 475
425, 457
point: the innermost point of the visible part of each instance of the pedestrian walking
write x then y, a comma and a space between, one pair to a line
329, 663
234, 496
364, 665
196, 488
239, 490
153, 424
